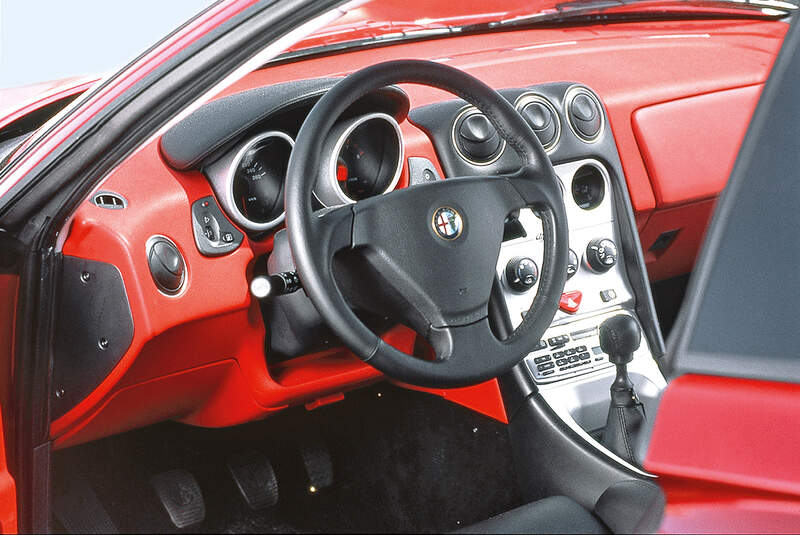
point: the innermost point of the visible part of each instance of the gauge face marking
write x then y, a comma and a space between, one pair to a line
447, 223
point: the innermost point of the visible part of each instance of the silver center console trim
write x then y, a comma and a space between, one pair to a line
578, 390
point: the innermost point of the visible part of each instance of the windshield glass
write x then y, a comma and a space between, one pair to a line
382, 20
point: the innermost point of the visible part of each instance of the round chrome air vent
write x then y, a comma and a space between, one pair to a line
542, 117
475, 138
584, 113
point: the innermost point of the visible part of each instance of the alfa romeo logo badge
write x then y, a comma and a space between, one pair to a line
447, 223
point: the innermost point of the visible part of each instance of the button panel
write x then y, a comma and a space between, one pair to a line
213, 233
572, 349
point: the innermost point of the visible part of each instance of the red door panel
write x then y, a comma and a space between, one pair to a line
8, 304
726, 452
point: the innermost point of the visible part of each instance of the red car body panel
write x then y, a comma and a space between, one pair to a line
17, 102
9, 286
217, 381
744, 476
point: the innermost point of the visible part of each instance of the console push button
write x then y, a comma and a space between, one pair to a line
570, 301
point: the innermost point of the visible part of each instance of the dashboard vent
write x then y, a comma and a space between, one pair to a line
475, 139
107, 199
585, 114
542, 117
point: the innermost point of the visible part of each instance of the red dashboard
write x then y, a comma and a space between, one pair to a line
669, 88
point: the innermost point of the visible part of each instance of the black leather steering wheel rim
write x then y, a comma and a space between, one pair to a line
467, 351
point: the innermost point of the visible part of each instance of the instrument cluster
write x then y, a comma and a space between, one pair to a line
363, 158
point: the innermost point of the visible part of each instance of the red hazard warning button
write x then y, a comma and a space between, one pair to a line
570, 301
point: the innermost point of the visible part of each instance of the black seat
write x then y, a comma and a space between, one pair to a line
633, 506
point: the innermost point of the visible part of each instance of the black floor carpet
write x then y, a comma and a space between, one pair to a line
403, 461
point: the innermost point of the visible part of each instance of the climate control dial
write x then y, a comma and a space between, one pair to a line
521, 273
601, 255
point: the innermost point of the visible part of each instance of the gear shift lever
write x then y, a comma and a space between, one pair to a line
619, 338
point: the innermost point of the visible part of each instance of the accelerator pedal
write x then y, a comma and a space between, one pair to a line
253, 474
180, 495
318, 465
77, 507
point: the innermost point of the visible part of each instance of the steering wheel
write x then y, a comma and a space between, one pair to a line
436, 244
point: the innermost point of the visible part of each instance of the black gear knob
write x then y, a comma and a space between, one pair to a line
619, 338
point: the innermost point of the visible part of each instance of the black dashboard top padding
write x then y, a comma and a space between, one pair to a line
740, 314
94, 328
220, 122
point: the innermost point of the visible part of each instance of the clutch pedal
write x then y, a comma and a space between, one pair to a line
254, 477
181, 497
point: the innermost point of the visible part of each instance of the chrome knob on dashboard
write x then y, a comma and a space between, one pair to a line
521, 273
601, 255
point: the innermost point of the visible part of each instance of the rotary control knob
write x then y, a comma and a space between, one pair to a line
572, 264
521, 273
601, 255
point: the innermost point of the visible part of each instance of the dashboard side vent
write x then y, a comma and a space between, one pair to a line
107, 199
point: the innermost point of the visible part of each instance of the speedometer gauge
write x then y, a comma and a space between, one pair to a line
365, 159
257, 186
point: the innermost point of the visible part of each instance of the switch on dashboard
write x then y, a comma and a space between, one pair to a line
214, 235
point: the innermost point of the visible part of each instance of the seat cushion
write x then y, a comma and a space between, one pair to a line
557, 514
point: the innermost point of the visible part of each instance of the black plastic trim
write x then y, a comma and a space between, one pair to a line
221, 122
552, 459
94, 328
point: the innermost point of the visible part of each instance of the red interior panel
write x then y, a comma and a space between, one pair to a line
712, 448
715, 474
210, 338
689, 145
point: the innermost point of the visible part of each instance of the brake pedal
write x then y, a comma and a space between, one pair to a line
255, 478
318, 465
180, 495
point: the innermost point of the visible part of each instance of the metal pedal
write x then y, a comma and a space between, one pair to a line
253, 474
181, 497
77, 507
318, 465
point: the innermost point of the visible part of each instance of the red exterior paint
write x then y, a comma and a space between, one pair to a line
9, 286
726, 452
20, 101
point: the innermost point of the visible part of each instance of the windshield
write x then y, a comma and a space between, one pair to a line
387, 20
